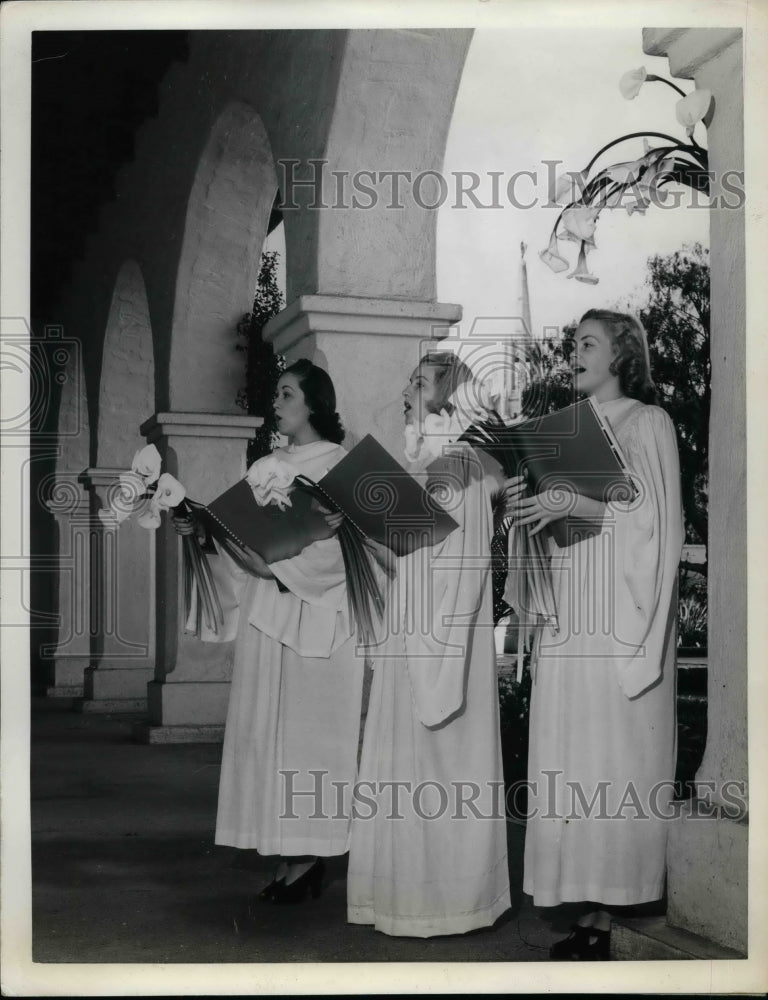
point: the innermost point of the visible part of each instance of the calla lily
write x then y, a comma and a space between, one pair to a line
580, 221
169, 493
150, 518
552, 258
147, 463
631, 82
624, 173
691, 109
132, 486
569, 187
581, 272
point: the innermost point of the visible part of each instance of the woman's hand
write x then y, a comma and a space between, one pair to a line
182, 523
384, 557
542, 508
332, 520
514, 489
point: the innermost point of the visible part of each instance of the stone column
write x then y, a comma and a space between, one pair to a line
187, 698
122, 606
369, 347
707, 856
71, 654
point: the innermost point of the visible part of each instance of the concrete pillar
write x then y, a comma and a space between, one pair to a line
188, 696
707, 855
122, 606
369, 347
69, 657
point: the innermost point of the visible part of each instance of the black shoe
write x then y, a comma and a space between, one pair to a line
268, 891
583, 944
296, 892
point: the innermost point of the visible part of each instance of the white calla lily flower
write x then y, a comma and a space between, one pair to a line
552, 258
169, 493
147, 464
582, 272
580, 222
693, 108
631, 82
150, 518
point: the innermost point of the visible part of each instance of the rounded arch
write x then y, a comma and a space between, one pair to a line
226, 224
392, 113
127, 384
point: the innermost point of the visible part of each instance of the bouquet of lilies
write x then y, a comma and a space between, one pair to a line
145, 492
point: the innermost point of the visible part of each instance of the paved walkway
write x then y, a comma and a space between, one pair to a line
125, 869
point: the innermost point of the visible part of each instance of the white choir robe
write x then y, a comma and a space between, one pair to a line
602, 715
433, 718
293, 721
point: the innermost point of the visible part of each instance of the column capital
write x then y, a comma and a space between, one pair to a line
92, 478
216, 425
688, 49
340, 314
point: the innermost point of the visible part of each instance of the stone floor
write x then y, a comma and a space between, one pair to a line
125, 869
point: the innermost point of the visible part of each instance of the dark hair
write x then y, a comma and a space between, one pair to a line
450, 373
320, 397
631, 363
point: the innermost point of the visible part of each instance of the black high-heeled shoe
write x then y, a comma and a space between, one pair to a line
296, 892
268, 891
583, 944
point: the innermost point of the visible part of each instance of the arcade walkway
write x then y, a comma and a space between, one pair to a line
125, 869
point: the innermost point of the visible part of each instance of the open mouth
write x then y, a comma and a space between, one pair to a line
578, 370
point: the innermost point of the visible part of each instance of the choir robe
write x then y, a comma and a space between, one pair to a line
602, 714
433, 725
293, 721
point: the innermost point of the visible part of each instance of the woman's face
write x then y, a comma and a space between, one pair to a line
290, 407
591, 358
420, 394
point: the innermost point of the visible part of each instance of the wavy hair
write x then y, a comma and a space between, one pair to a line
320, 397
450, 373
632, 362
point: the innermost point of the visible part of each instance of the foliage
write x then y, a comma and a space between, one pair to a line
676, 318
514, 705
263, 366
551, 387
692, 622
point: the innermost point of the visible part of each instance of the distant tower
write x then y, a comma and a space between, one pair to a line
515, 368
525, 302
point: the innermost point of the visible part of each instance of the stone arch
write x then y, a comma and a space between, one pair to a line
393, 107
127, 385
226, 224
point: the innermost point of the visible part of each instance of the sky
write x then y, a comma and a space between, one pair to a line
527, 96
532, 95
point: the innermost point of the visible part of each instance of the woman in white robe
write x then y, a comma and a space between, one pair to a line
293, 722
428, 851
602, 718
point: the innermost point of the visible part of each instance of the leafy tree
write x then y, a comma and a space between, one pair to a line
676, 318
263, 366
551, 387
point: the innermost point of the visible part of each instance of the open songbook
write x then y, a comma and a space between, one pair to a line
572, 449
378, 498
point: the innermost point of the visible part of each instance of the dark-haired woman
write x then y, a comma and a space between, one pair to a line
602, 721
292, 729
